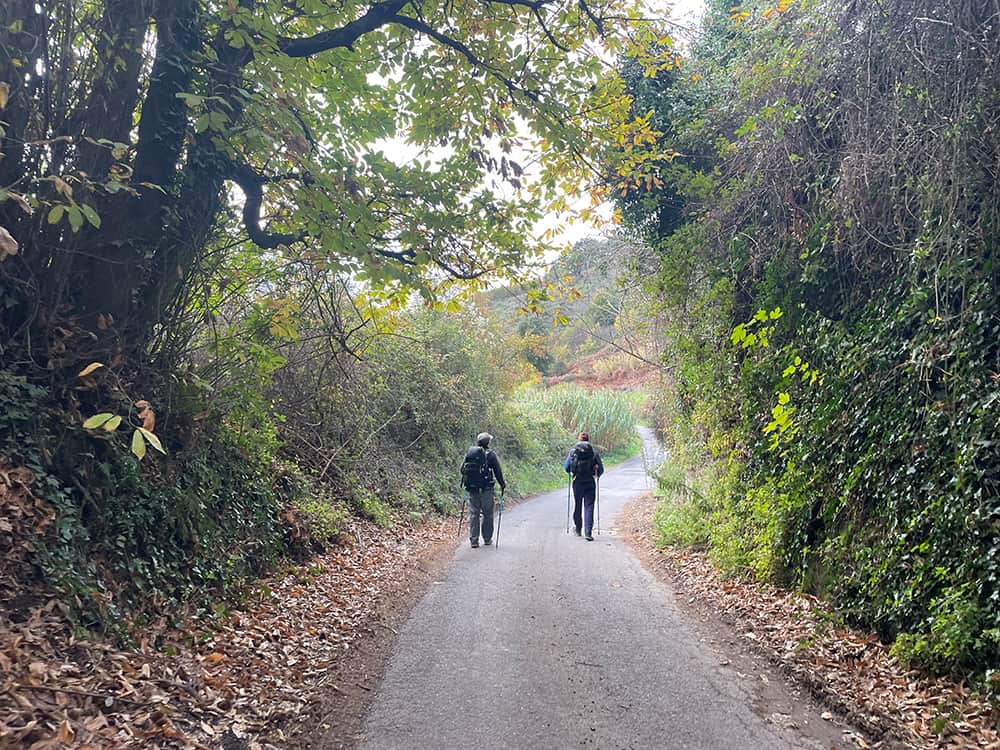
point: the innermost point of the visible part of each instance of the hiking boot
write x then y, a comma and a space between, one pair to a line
487, 542
589, 538
475, 543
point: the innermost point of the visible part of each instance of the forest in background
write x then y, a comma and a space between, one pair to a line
828, 296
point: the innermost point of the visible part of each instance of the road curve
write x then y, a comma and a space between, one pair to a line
551, 641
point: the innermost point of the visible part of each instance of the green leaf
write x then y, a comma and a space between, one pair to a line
76, 218
112, 424
192, 100
91, 215
138, 445
56, 214
152, 439
784, 398
235, 38
97, 420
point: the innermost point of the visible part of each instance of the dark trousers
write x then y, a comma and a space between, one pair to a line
584, 494
481, 507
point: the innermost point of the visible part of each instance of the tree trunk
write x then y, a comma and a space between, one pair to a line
119, 260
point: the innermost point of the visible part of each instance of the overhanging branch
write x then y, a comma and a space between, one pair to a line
377, 16
473, 59
252, 185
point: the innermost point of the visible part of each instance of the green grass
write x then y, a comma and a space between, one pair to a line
541, 468
608, 416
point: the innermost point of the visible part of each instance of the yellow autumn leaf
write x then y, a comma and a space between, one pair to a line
90, 368
97, 420
138, 445
152, 439
8, 245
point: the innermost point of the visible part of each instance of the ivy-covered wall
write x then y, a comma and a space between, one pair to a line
829, 281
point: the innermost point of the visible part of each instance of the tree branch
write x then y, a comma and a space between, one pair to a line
163, 121
548, 34
419, 26
377, 16
406, 257
252, 185
598, 22
458, 274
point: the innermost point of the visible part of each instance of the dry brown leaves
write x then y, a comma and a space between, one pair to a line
850, 670
23, 519
229, 685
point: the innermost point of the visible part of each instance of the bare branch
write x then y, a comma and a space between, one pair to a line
406, 257
456, 273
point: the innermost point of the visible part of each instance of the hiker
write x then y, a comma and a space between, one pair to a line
479, 469
584, 463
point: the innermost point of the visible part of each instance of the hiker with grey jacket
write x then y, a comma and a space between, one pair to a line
479, 470
585, 465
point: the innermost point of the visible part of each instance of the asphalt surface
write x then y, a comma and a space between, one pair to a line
552, 641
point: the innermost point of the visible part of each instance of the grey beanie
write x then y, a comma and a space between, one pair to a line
484, 438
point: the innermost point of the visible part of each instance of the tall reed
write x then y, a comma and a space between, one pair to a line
608, 416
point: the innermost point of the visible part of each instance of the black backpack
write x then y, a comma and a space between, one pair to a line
476, 471
582, 463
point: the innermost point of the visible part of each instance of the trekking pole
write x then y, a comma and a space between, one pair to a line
569, 485
597, 502
461, 516
499, 519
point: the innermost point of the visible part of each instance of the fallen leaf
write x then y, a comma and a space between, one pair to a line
90, 368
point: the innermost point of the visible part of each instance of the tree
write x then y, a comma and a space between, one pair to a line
128, 126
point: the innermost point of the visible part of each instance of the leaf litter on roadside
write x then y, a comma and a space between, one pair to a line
231, 682
849, 670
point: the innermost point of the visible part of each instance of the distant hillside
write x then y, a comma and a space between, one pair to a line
576, 320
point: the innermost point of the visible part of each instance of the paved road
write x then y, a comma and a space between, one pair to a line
554, 642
